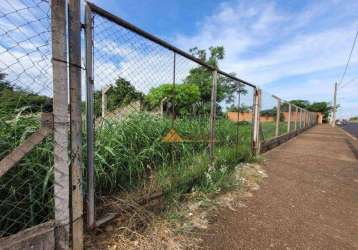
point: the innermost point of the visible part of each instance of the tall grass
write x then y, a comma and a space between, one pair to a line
129, 155
129, 150
26, 196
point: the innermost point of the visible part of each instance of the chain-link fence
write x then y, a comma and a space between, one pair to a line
26, 190
159, 120
280, 119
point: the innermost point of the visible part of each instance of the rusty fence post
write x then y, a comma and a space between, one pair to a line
61, 115
289, 118
91, 223
296, 117
256, 122
74, 48
278, 111
213, 113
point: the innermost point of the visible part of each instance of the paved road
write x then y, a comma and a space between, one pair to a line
351, 128
308, 201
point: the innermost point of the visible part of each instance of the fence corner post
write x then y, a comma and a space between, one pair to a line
60, 113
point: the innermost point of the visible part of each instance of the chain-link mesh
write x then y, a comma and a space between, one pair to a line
268, 114
153, 108
26, 190
290, 119
143, 133
234, 120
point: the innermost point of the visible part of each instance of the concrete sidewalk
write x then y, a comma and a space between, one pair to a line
308, 201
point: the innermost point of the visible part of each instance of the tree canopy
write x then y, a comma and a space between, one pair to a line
122, 92
194, 94
323, 107
182, 96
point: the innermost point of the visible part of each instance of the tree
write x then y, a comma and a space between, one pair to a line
183, 96
300, 103
202, 77
122, 93
322, 107
3, 83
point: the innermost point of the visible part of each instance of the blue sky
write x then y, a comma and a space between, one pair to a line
294, 49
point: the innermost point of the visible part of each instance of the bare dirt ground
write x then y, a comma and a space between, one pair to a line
308, 201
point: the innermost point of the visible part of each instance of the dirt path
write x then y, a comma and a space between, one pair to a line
308, 201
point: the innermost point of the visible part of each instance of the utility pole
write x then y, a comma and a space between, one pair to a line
334, 105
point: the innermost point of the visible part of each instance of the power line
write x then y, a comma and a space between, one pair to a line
349, 82
349, 59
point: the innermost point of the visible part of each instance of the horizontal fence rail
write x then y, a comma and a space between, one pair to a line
155, 120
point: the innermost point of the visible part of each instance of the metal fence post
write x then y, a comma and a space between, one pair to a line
91, 223
305, 119
213, 113
278, 111
60, 113
296, 117
104, 103
289, 118
74, 38
256, 122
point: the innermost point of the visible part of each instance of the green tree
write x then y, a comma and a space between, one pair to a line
323, 107
183, 96
121, 93
300, 103
202, 77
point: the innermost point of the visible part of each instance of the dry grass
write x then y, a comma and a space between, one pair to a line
148, 227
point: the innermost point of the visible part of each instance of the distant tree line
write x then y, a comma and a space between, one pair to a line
192, 96
14, 99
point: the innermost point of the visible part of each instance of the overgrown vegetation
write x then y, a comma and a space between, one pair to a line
26, 191
129, 151
16, 99
129, 155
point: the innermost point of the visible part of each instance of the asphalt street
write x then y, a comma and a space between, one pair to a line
351, 128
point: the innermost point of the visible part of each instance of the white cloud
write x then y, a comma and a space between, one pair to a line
25, 45
267, 44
